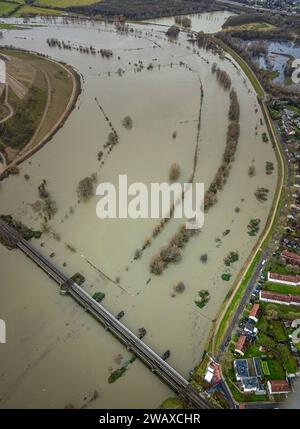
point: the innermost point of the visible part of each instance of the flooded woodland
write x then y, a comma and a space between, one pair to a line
56, 354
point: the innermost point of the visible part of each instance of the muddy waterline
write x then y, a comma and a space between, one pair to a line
56, 354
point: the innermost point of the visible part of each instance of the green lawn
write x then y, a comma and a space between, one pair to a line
253, 351
172, 404
294, 109
284, 311
277, 328
273, 327
285, 289
288, 360
276, 370
277, 268
11, 27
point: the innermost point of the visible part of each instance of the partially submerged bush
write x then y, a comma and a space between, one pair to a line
204, 258
127, 123
180, 287
251, 171
157, 265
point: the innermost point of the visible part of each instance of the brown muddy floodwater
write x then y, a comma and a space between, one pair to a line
56, 354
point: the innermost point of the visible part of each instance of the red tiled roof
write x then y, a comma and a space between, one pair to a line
242, 343
275, 296
284, 278
295, 298
279, 386
291, 255
254, 310
280, 297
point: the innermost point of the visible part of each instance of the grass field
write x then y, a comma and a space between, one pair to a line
10, 27
65, 3
253, 26
276, 370
284, 311
239, 396
293, 290
7, 8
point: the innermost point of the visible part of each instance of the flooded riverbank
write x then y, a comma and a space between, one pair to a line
53, 346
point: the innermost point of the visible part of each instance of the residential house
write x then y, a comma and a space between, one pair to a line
241, 345
254, 313
284, 279
241, 369
250, 327
278, 387
279, 298
290, 257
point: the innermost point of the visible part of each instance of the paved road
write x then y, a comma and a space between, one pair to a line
243, 302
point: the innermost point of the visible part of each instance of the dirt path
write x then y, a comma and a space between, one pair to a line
6, 103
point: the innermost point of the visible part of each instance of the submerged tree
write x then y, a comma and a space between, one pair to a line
85, 188
127, 122
174, 172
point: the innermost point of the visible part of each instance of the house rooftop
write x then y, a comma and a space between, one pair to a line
274, 296
254, 311
250, 383
291, 255
284, 278
241, 368
242, 343
257, 367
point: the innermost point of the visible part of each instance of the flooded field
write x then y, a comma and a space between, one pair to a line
210, 22
56, 355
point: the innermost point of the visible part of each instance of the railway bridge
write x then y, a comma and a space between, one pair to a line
157, 365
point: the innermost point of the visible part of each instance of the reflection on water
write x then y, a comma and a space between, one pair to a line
278, 54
